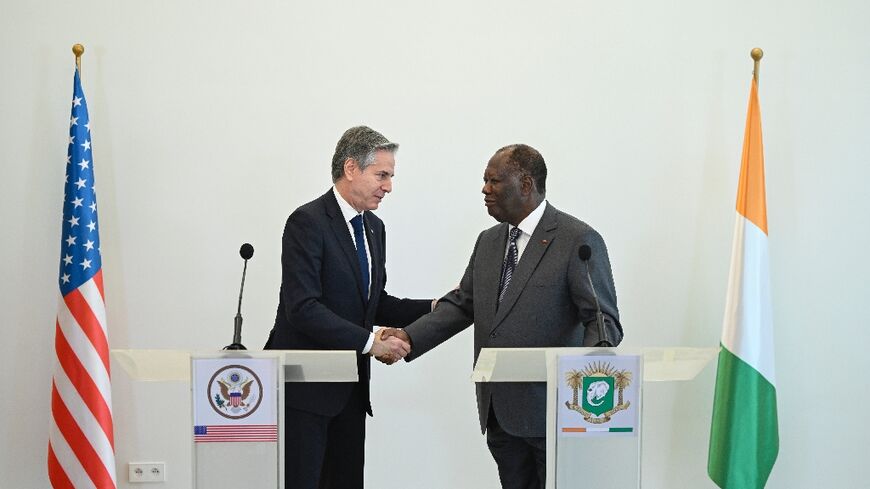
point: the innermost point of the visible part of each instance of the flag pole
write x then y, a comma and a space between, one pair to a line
78, 50
756, 54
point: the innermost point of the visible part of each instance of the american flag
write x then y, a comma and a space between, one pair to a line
235, 433
81, 443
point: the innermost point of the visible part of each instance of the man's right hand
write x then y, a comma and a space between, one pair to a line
390, 347
396, 333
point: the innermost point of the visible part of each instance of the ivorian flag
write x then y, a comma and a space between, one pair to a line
744, 438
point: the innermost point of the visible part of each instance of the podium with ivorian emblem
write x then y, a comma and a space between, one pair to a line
594, 404
236, 403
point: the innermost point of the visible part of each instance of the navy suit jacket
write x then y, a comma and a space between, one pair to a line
321, 304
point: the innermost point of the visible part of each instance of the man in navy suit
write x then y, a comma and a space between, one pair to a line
332, 293
525, 286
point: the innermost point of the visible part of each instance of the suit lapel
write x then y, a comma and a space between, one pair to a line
541, 239
375, 252
490, 260
342, 235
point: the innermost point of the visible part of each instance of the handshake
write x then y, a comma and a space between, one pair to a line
391, 345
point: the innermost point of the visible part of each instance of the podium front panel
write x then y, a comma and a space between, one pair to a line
235, 422
595, 400
251, 465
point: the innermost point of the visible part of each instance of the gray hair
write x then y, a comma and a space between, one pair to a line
359, 143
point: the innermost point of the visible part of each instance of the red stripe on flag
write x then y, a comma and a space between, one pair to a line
92, 328
84, 384
98, 279
79, 443
56, 474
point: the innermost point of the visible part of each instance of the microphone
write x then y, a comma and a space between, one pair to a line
246, 252
585, 252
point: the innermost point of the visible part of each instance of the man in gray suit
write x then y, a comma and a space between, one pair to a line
525, 286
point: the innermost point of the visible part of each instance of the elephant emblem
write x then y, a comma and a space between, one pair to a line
596, 392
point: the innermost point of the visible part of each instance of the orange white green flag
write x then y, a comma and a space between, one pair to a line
744, 438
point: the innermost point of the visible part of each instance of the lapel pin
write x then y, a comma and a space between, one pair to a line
544, 241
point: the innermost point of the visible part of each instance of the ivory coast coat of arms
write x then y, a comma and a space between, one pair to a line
600, 383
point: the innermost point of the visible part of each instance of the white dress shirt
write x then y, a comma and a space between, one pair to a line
527, 227
348, 212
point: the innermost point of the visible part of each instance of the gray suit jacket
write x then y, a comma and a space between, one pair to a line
548, 303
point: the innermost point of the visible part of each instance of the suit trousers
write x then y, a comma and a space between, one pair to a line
325, 452
522, 462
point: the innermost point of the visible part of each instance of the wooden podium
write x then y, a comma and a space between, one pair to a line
598, 457
236, 401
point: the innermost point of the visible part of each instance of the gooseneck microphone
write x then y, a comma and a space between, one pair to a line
246, 252
585, 252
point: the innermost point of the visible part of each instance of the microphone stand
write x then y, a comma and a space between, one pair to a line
603, 340
599, 316
237, 327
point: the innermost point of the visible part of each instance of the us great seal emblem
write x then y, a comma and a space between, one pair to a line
235, 391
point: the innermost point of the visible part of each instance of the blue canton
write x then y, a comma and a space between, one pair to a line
80, 244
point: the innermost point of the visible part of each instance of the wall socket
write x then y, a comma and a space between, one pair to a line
147, 471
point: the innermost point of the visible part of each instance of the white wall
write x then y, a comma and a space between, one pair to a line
214, 120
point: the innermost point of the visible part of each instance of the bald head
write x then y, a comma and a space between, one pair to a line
514, 183
526, 160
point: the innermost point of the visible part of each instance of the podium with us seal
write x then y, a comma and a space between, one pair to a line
236, 400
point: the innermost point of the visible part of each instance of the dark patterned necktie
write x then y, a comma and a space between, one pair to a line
510, 264
360, 237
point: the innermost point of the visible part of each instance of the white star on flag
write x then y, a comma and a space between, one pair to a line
73, 221
77, 202
84, 164
89, 245
92, 225
85, 264
86, 144
67, 260
77, 101
73, 121
71, 240
65, 278
80, 183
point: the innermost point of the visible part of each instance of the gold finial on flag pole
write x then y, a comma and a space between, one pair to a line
78, 50
756, 54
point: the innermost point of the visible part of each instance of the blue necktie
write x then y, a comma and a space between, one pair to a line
360, 237
510, 263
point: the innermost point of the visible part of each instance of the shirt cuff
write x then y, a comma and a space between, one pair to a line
369, 344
